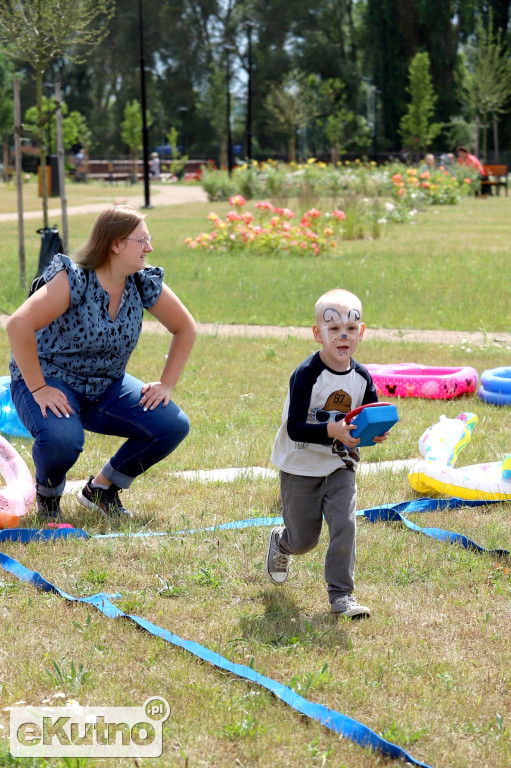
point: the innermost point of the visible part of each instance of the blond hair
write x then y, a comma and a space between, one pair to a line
111, 225
341, 298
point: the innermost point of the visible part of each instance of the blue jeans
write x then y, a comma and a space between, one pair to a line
151, 435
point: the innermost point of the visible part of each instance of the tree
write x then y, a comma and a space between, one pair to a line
488, 81
288, 111
6, 111
74, 125
39, 32
416, 127
131, 132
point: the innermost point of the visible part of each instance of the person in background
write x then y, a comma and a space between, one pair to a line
71, 342
154, 166
465, 158
429, 164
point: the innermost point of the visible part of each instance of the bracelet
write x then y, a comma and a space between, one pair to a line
38, 388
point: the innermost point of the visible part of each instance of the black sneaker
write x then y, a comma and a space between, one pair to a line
103, 500
48, 508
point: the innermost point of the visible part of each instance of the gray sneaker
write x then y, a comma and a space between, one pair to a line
346, 605
277, 562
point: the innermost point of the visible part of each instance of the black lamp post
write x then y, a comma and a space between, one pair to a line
182, 111
230, 163
248, 134
145, 145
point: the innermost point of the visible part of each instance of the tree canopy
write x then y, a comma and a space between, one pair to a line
357, 52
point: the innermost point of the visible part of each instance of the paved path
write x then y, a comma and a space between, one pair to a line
475, 338
165, 194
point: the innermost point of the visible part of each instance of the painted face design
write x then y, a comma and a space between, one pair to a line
331, 314
340, 329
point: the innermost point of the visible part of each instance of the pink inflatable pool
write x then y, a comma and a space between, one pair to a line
413, 380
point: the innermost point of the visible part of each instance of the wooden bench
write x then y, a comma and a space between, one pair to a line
497, 177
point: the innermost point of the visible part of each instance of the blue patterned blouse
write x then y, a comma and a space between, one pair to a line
84, 347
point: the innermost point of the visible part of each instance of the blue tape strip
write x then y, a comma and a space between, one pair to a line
398, 512
335, 721
25, 535
382, 513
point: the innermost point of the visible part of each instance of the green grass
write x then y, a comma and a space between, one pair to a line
447, 270
429, 670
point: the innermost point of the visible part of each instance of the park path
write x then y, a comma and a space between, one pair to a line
164, 194
171, 194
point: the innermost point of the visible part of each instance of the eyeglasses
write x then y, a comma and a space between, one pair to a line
143, 240
325, 416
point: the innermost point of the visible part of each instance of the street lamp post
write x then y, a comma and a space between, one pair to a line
250, 26
230, 163
145, 144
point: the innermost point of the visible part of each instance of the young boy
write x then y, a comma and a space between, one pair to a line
316, 455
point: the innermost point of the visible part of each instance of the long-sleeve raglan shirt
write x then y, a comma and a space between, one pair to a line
302, 445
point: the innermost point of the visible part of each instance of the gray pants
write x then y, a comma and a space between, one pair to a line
304, 502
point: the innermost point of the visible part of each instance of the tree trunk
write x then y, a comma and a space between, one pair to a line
495, 139
223, 152
19, 182
62, 170
42, 147
5, 161
292, 147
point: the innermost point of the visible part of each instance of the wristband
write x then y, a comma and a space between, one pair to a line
38, 388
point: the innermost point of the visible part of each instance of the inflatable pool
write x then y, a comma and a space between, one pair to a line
413, 380
440, 446
496, 386
18, 493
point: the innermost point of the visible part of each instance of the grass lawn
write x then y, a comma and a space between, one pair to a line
430, 669
449, 269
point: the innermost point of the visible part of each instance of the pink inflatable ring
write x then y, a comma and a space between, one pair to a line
413, 380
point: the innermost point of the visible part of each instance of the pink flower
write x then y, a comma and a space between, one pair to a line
264, 205
339, 215
212, 216
238, 200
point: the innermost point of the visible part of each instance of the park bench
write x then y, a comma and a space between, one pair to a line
107, 170
497, 177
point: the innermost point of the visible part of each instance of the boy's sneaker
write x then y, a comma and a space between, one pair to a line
103, 500
48, 508
346, 605
277, 562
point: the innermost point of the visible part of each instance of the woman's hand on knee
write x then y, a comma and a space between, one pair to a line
154, 393
53, 399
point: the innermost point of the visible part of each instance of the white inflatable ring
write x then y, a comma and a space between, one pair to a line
18, 493
440, 445
413, 380
496, 386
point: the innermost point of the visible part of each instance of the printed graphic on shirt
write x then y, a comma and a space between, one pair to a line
335, 408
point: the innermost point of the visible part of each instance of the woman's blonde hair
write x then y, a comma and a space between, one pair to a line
113, 224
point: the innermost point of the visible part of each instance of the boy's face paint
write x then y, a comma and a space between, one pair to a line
339, 335
332, 315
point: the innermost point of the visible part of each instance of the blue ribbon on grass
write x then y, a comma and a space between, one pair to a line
382, 513
335, 721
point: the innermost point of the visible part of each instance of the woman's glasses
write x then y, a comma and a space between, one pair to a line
142, 240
